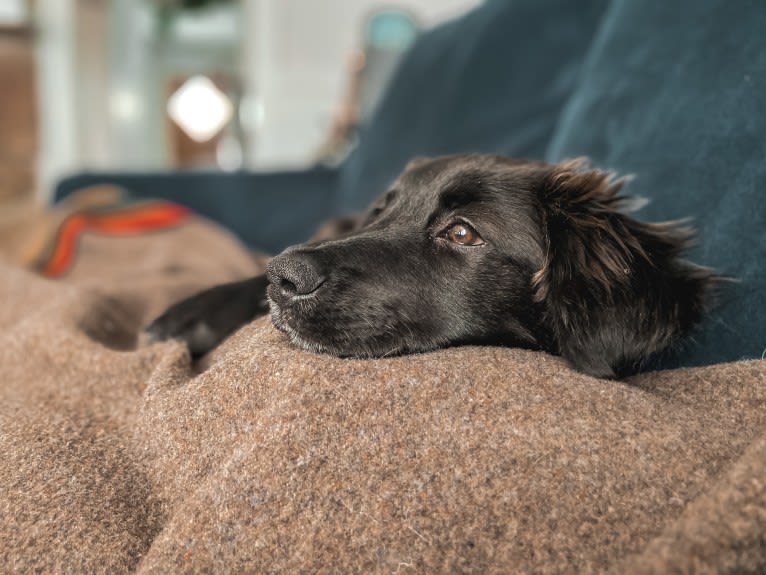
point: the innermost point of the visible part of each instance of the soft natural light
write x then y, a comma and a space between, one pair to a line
199, 108
13, 12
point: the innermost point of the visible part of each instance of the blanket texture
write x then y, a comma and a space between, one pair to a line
121, 457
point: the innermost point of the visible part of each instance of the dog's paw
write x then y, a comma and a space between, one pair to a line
185, 321
206, 319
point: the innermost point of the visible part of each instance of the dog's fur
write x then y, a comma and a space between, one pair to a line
557, 266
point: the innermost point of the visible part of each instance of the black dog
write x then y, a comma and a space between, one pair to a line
481, 250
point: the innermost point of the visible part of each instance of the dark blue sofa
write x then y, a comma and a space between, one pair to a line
673, 92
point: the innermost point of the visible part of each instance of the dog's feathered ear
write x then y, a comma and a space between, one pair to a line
613, 289
417, 161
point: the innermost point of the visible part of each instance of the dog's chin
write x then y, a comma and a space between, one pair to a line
279, 322
351, 348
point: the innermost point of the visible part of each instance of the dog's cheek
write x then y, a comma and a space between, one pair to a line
434, 304
501, 300
392, 312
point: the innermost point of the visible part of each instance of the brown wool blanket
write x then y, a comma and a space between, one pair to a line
121, 457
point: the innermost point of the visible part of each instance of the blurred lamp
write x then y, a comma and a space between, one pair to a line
199, 108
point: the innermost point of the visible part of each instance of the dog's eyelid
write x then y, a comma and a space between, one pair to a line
460, 220
440, 223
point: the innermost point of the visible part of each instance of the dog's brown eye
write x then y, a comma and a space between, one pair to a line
464, 235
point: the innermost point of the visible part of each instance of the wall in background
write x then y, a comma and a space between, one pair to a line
295, 65
103, 69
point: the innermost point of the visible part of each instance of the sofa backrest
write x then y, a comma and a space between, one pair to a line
675, 93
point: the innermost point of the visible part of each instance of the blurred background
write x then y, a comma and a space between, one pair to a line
258, 115
190, 84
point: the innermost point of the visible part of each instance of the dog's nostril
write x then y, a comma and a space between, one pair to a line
287, 286
294, 274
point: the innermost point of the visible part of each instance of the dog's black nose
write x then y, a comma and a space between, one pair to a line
294, 274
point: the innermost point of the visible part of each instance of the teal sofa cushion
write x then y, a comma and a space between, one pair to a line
675, 93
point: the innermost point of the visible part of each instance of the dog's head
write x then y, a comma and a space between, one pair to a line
485, 249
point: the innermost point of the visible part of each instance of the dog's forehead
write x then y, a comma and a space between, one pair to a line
461, 179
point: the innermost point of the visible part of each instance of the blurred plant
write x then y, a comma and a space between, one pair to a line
188, 4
